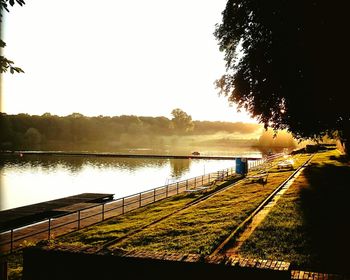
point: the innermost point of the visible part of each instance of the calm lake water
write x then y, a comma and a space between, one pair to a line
31, 179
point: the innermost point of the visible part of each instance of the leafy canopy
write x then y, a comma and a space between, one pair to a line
6, 64
285, 64
181, 121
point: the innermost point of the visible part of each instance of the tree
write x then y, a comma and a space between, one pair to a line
6, 64
7, 133
284, 64
32, 137
181, 121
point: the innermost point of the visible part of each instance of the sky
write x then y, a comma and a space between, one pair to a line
115, 57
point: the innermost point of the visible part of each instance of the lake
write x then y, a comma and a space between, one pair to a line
31, 179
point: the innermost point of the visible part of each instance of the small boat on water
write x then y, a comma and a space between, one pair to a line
195, 153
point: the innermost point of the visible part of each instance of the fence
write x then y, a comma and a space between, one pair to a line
16, 238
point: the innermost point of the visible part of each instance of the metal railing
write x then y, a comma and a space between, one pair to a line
16, 238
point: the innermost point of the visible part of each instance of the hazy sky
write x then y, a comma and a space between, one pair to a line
115, 57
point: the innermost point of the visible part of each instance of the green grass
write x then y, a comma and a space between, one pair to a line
124, 224
309, 226
130, 222
200, 229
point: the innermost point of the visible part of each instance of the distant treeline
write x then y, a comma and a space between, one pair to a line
78, 132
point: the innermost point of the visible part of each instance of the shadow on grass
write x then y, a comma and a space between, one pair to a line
326, 213
282, 170
341, 159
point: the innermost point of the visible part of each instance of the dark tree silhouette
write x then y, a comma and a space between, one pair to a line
287, 64
6, 64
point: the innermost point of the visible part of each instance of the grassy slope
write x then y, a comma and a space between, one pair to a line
201, 228
198, 229
310, 224
124, 224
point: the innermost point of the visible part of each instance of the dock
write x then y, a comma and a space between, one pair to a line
118, 155
26, 215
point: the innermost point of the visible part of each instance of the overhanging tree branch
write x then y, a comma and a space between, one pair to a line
7, 64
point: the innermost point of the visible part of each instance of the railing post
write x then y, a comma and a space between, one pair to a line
186, 184
123, 205
3, 269
177, 187
140, 200
78, 219
166, 191
11, 241
49, 230
154, 195
103, 212
195, 181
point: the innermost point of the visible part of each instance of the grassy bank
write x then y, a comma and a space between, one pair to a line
123, 225
167, 225
198, 229
310, 224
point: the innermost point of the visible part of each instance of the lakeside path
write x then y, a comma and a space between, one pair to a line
309, 226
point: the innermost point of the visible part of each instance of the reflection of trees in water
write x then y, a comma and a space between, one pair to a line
179, 167
45, 162
76, 163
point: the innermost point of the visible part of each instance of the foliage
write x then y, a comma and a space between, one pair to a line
32, 136
76, 131
6, 64
181, 121
285, 62
4, 5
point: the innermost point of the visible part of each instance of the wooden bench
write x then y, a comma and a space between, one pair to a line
259, 177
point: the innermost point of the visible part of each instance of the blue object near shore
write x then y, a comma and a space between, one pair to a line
241, 166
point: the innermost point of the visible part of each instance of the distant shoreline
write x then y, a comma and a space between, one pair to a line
62, 153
